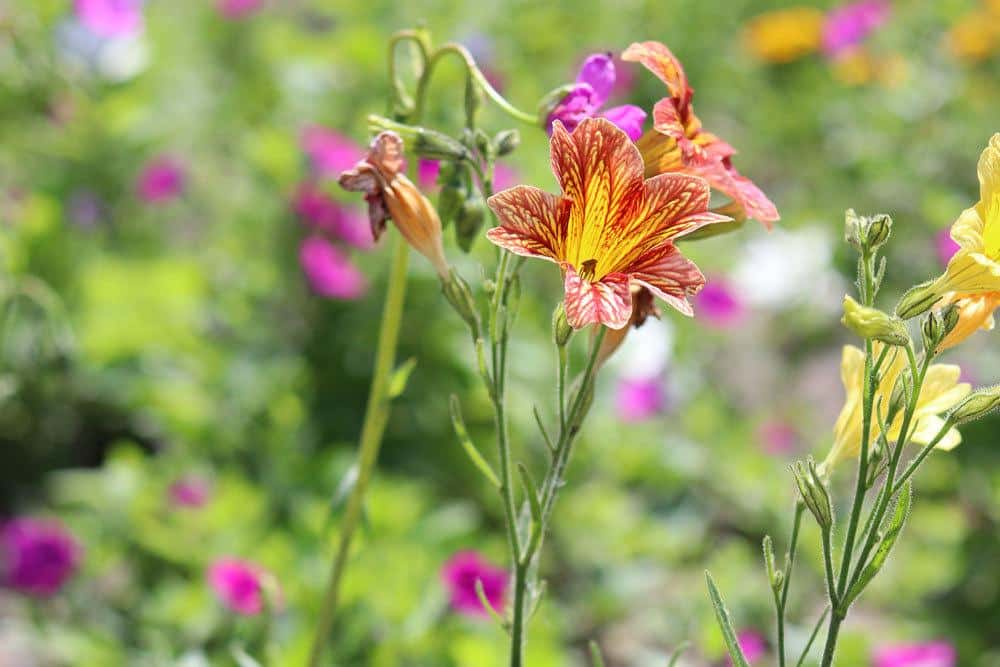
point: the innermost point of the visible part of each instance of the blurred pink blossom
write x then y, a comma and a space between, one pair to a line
752, 644
504, 177
329, 152
237, 9
945, 246
37, 556
189, 491
639, 399
110, 18
329, 270
777, 437
427, 173
929, 654
850, 24
161, 180
239, 585
319, 210
719, 304
460, 574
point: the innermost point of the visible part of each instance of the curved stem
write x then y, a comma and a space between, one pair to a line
376, 416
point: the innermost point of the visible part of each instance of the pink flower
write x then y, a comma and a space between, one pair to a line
37, 556
237, 9
239, 585
851, 24
319, 210
639, 399
719, 304
929, 654
110, 18
777, 438
504, 177
329, 271
945, 246
752, 644
189, 491
460, 575
161, 180
329, 152
427, 173
594, 85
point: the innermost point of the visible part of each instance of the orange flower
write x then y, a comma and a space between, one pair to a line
678, 143
610, 228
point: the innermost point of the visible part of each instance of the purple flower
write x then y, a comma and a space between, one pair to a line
594, 85
329, 152
752, 644
320, 211
37, 556
929, 654
110, 18
189, 491
460, 575
239, 585
945, 246
639, 399
777, 438
329, 271
851, 24
427, 173
161, 180
237, 9
719, 304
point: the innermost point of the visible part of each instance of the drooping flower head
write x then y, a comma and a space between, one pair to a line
594, 84
848, 25
460, 574
37, 556
240, 585
329, 271
189, 491
784, 35
609, 229
161, 180
940, 392
237, 9
678, 143
329, 152
929, 654
390, 194
110, 18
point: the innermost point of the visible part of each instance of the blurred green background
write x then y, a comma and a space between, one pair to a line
144, 342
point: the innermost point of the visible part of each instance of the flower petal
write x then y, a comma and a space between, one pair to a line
598, 71
607, 302
667, 120
532, 221
659, 60
723, 177
669, 275
629, 118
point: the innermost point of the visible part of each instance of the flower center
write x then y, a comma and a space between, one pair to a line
588, 270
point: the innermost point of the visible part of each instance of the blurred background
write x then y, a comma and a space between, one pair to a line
188, 309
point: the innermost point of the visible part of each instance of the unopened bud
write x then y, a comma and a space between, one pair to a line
469, 221
937, 325
506, 141
813, 492
873, 323
421, 140
866, 234
879, 230
774, 575
561, 330
918, 300
483, 142
976, 405
457, 291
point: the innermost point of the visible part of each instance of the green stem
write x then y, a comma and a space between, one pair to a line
782, 599
831, 639
376, 416
915, 463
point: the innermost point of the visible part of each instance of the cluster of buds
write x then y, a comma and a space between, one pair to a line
937, 325
813, 490
867, 233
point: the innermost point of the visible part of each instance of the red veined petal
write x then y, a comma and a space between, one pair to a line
607, 301
659, 60
669, 275
724, 178
532, 222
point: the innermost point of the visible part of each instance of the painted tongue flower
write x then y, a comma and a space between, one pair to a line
237, 9
329, 271
240, 585
849, 25
594, 84
609, 229
110, 18
161, 180
460, 575
37, 557
929, 654
678, 143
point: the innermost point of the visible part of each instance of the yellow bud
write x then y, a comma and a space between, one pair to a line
976, 405
873, 323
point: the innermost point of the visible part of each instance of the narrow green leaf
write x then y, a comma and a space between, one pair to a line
725, 624
541, 428
812, 637
400, 376
678, 652
892, 532
483, 600
532, 493
595, 654
463, 437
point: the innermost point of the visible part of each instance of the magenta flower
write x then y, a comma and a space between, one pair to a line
110, 18
320, 211
460, 575
161, 180
639, 399
752, 645
329, 152
504, 177
239, 585
777, 437
849, 25
237, 9
945, 246
189, 491
593, 86
719, 304
37, 556
929, 654
329, 271
427, 173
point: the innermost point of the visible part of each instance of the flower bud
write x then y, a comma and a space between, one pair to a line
421, 140
561, 330
506, 142
976, 405
813, 492
866, 234
457, 291
918, 300
873, 323
469, 221
937, 325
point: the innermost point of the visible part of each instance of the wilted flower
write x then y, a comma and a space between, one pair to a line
720, 305
161, 180
329, 271
240, 585
237, 9
460, 575
639, 399
784, 35
320, 211
390, 194
189, 491
37, 556
678, 143
329, 152
941, 390
929, 654
594, 84
609, 229
850, 24
110, 18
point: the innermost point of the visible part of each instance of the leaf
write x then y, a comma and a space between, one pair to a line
463, 437
676, 655
595, 654
725, 624
400, 376
541, 427
532, 492
899, 515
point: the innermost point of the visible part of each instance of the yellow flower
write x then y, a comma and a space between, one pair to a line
975, 36
941, 390
784, 35
974, 313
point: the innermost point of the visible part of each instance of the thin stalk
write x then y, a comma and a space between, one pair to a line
782, 599
915, 463
812, 637
376, 417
